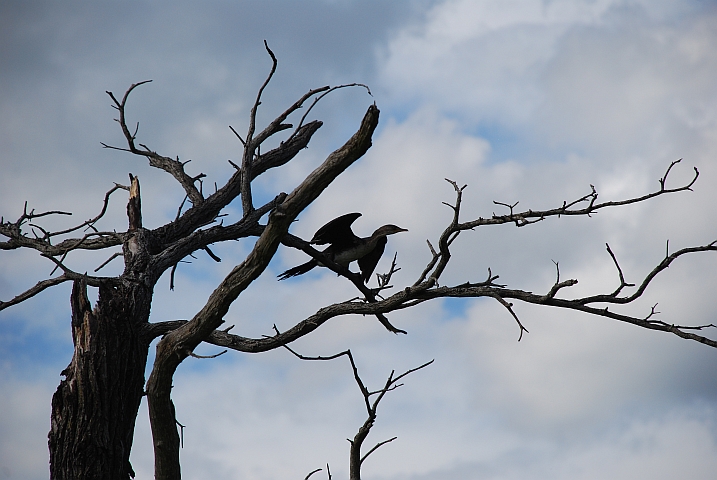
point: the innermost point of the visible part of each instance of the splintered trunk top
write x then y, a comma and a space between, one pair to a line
95, 406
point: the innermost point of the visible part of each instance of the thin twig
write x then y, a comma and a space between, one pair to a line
114, 255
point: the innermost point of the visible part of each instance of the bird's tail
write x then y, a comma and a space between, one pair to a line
299, 270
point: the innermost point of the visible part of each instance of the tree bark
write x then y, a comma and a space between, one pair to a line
95, 407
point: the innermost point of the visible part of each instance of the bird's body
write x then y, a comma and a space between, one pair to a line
345, 247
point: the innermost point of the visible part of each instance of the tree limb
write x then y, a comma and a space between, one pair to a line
31, 292
169, 165
174, 347
356, 459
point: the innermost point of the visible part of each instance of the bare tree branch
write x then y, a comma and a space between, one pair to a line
409, 296
326, 91
311, 473
356, 459
31, 292
114, 255
200, 215
250, 145
509, 307
44, 244
524, 218
169, 165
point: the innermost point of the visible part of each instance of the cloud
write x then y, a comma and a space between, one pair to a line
679, 445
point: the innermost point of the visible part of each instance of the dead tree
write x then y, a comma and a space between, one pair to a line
94, 409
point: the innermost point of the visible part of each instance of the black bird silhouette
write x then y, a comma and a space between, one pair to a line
345, 247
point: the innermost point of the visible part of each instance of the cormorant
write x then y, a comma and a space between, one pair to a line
345, 247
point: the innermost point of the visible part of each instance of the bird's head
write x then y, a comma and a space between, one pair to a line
388, 230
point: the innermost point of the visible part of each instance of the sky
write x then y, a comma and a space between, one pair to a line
528, 101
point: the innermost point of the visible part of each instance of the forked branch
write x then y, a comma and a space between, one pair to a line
356, 459
169, 165
95, 240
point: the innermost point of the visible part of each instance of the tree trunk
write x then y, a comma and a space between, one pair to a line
95, 407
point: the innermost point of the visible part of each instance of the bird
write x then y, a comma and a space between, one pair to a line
345, 247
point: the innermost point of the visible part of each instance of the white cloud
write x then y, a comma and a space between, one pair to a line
481, 58
681, 444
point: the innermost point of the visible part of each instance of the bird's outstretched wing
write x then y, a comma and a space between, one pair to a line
337, 232
368, 262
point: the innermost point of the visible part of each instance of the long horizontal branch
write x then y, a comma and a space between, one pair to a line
470, 291
91, 241
531, 216
416, 294
411, 296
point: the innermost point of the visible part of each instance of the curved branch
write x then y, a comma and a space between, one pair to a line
31, 292
91, 222
326, 91
169, 165
250, 144
613, 298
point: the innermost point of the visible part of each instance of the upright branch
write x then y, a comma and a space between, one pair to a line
250, 146
356, 458
134, 206
371, 401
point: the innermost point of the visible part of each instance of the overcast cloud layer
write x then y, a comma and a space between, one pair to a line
529, 101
